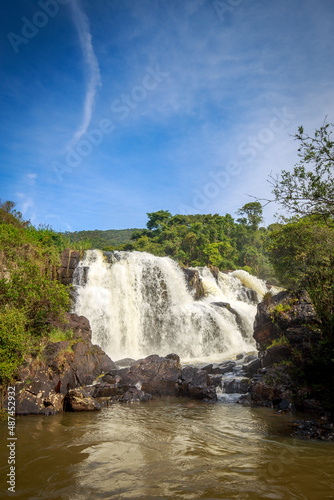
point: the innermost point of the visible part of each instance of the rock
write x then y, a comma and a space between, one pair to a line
245, 400
275, 354
194, 282
215, 380
252, 367
135, 395
226, 367
156, 375
125, 362
79, 400
285, 405
196, 383
311, 429
236, 386
281, 312
105, 391
313, 406
69, 259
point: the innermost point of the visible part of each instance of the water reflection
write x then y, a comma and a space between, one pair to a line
174, 449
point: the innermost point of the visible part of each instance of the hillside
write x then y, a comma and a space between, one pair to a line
101, 239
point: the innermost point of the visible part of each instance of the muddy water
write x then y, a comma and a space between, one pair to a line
170, 449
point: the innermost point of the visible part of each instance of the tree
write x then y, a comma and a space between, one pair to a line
309, 188
251, 215
157, 219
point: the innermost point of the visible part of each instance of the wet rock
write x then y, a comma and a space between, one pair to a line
311, 429
215, 380
196, 383
252, 367
125, 362
245, 400
79, 400
194, 282
285, 405
236, 386
134, 395
105, 390
155, 375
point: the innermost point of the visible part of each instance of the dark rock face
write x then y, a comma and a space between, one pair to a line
69, 259
278, 381
282, 313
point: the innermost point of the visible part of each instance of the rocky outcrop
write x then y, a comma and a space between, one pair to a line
154, 376
285, 313
286, 330
44, 382
69, 259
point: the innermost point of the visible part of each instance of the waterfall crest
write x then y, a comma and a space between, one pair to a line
139, 304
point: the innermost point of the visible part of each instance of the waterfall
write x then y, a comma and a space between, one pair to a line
139, 304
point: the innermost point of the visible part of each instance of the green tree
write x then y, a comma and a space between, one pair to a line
251, 215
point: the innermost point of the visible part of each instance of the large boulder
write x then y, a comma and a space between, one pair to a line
197, 384
154, 375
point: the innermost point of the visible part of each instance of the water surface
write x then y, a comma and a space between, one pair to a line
167, 449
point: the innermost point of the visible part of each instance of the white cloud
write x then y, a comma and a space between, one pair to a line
92, 64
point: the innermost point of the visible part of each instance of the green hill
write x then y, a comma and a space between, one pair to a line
102, 239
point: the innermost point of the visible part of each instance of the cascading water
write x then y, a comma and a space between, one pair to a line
139, 304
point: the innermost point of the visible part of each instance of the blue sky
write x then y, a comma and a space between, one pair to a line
115, 108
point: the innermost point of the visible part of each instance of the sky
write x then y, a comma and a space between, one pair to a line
113, 109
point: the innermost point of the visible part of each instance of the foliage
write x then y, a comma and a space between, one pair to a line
302, 253
207, 240
282, 340
103, 240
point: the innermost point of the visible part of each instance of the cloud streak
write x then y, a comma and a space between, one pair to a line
92, 64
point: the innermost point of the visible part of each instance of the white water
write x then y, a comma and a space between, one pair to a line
139, 304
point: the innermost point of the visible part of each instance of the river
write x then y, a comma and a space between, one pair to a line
167, 449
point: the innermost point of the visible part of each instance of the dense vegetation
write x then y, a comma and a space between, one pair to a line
208, 240
29, 294
99, 239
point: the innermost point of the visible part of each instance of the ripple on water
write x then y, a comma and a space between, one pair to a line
170, 449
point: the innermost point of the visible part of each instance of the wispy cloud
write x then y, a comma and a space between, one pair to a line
94, 80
